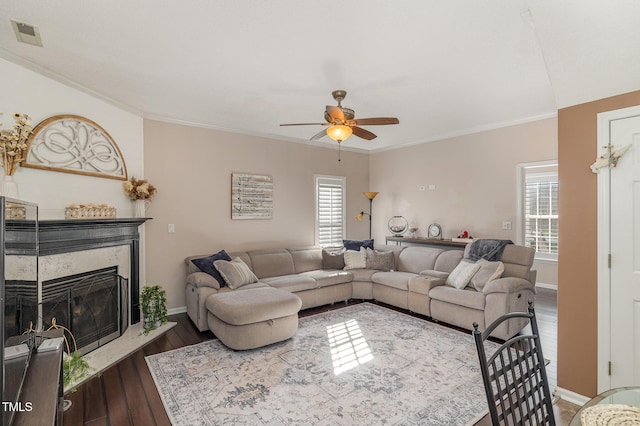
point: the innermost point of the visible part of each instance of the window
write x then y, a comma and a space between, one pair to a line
539, 188
330, 200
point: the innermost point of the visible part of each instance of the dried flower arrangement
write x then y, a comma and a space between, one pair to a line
139, 189
13, 143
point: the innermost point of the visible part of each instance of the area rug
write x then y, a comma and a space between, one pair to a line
363, 364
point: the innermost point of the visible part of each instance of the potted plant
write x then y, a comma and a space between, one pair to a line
154, 307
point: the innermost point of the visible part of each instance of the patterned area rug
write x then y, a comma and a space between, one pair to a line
362, 364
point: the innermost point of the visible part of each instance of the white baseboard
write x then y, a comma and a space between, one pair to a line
547, 286
572, 397
179, 310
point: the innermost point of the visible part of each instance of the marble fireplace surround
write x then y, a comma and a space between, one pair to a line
68, 247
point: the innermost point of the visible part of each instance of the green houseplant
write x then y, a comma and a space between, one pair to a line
154, 307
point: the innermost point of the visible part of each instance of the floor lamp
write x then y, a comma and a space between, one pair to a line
370, 196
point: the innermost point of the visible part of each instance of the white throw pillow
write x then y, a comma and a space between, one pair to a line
488, 271
461, 275
235, 273
355, 259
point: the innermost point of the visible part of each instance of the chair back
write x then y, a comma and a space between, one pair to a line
514, 376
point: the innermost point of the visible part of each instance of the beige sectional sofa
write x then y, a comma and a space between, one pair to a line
416, 283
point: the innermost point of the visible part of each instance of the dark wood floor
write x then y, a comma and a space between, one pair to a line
125, 394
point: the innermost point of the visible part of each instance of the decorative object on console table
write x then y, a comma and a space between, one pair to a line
154, 307
141, 192
398, 225
435, 231
75, 144
370, 196
463, 237
13, 150
89, 211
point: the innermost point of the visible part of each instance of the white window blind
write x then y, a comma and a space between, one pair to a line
541, 211
330, 200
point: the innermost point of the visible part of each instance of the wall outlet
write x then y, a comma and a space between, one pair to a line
171, 228
506, 225
432, 187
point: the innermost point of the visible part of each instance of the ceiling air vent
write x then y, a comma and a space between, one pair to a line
26, 33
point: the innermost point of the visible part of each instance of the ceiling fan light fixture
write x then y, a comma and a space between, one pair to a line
339, 132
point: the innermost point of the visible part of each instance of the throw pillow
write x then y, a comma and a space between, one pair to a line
488, 271
381, 260
236, 273
333, 259
205, 264
356, 244
355, 259
461, 275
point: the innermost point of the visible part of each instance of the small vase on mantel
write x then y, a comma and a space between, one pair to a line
140, 208
8, 187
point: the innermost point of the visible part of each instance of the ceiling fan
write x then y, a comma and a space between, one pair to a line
341, 122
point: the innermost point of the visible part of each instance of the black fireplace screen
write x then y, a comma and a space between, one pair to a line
92, 305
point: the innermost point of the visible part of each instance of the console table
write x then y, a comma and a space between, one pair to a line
427, 242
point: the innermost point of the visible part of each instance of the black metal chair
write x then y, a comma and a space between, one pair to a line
515, 379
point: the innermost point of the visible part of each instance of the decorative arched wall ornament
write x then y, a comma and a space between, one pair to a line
74, 144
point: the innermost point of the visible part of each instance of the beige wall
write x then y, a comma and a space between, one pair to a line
577, 295
191, 167
474, 178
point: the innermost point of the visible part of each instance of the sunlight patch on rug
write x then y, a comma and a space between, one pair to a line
349, 348
362, 364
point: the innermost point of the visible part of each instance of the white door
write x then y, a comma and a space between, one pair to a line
625, 254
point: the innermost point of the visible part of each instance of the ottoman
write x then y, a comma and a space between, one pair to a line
248, 319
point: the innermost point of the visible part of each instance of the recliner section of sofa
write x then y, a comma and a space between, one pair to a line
417, 284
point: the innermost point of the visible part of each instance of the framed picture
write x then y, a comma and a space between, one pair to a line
251, 196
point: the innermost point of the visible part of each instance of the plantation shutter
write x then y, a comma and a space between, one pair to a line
330, 211
541, 213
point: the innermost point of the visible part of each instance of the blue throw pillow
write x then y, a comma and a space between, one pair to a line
205, 264
356, 244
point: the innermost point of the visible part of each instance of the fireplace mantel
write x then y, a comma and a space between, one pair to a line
66, 236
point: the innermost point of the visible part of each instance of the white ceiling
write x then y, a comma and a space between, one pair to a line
442, 67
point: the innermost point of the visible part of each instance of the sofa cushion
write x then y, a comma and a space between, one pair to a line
292, 283
448, 260
333, 258
399, 280
329, 277
306, 258
272, 263
461, 276
488, 271
381, 260
415, 259
251, 306
467, 297
360, 275
236, 273
205, 264
355, 259
356, 244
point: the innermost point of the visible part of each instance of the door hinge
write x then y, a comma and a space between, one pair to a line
609, 367
609, 260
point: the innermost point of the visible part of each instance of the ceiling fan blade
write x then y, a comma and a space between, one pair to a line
362, 133
335, 113
376, 121
318, 135
303, 124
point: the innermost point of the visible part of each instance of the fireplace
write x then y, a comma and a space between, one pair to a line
88, 278
92, 305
